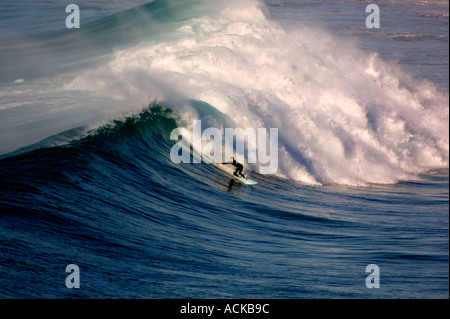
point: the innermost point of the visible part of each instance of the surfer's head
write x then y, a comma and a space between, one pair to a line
232, 158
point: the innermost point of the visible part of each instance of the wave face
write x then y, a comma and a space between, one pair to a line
140, 226
344, 115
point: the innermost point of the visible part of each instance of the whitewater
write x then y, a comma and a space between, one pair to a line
363, 148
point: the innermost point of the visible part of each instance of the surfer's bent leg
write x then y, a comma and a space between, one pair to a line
239, 170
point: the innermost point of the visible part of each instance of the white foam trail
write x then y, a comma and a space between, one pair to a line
344, 116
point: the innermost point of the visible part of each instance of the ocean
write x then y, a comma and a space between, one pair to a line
93, 205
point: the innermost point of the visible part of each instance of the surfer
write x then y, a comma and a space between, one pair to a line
238, 166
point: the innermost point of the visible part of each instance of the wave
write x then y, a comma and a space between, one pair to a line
344, 116
56, 52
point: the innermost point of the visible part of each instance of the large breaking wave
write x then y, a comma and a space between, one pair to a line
344, 115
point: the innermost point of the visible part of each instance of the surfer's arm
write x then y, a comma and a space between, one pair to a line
226, 163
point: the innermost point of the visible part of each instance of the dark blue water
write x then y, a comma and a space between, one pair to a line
111, 201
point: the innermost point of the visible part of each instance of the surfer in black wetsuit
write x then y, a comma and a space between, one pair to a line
238, 169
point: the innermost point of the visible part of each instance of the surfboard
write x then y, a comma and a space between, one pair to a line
248, 181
